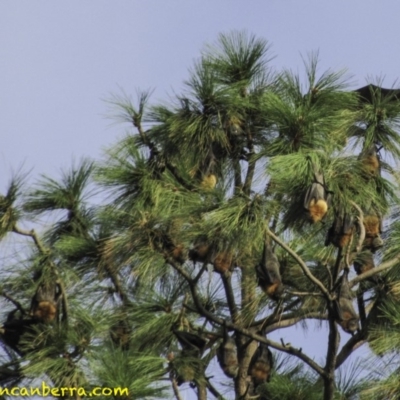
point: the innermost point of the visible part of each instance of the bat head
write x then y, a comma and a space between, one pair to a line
350, 326
46, 311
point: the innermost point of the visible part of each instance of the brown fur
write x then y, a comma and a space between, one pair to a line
271, 289
178, 253
344, 240
261, 365
372, 225
222, 262
200, 252
347, 317
45, 302
317, 209
371, 164
349, 322
268, 274
227, 357
46, 311
364, 263
260, 372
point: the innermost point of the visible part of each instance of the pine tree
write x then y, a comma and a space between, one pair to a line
235, 210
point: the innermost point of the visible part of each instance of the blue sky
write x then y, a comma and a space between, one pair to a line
59, 61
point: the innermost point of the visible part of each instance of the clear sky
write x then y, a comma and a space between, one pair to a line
60, 59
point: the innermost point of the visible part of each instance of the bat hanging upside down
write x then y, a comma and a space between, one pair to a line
339, 234
268, 274
45, 302
261, 365
316, 200
227, 356
346, 316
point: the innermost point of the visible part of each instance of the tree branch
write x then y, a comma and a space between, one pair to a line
211, 317
251, 164
174, 386
34, 237
352, 344
15, 302
284, 323
333, 344
227, 282
383, 267
43, 250
302, 265
213, 390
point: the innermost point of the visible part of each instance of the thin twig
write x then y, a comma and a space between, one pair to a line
383, 267
213, 318
43, 250
227, 282
302, 265
213, 390
352, 344
175, 386
284, 323
303, 294
15, 302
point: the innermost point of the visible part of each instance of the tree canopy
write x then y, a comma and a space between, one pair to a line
255, 200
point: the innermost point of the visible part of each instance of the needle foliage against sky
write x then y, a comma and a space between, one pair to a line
59, 61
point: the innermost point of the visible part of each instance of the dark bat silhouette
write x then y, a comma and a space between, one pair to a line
369, 92
340, 232
14, 328
201, 251
188, 366
45, 302
346, 316
364, 262
191, 343
268, 275
261, 365
223, 262
227, 355
316, 199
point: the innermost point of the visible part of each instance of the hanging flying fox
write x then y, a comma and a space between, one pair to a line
201, 251
268, 274
191, 343
364, 262
45, 303
373, 229
368, 93
15, 327
316, 200
371, 161
164, 243
227, 355
223, 262
339, 234
188, 365
346, 316
261, 365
